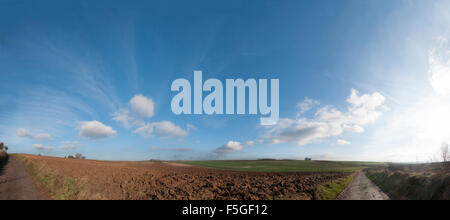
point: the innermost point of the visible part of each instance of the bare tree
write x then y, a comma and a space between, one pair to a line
444, 152
80, 156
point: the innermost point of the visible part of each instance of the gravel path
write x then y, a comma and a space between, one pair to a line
16, 184
361, 188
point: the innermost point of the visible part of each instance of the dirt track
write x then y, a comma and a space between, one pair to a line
361, 188
16, 184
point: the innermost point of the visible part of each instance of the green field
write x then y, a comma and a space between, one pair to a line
285, 165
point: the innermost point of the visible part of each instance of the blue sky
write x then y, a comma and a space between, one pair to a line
374, 74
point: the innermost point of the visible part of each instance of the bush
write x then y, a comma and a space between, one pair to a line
3, 158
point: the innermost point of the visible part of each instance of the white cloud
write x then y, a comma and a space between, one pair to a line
43, 137
139, 107
342, 142
179, 149
168, 129
23, 133
249, 143
124, 117
42, 147
306, 105
328, 121
95, 130
353, 128
232, 147
439, 61
164, 129
69, 145
191, 127
142, 106
416, 131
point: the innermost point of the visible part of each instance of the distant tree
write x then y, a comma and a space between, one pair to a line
307, 158
6, 148
71, 157
80, 156
1, 145
444, 152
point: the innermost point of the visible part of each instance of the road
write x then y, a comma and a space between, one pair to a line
16, 184
361, 188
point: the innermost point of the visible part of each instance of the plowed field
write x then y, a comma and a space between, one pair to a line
170, 181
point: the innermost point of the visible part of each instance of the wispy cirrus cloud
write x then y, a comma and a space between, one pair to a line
75, 78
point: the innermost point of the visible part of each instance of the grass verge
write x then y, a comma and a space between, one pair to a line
331, 190
412, 186
57, 186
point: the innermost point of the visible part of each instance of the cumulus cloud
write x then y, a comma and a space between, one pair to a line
328, 121
306, 106
95, 130
124, 117
23, 133
232, 147
42, 147
142, 106
342, 142
164, 129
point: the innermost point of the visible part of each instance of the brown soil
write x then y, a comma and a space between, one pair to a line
166, 181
